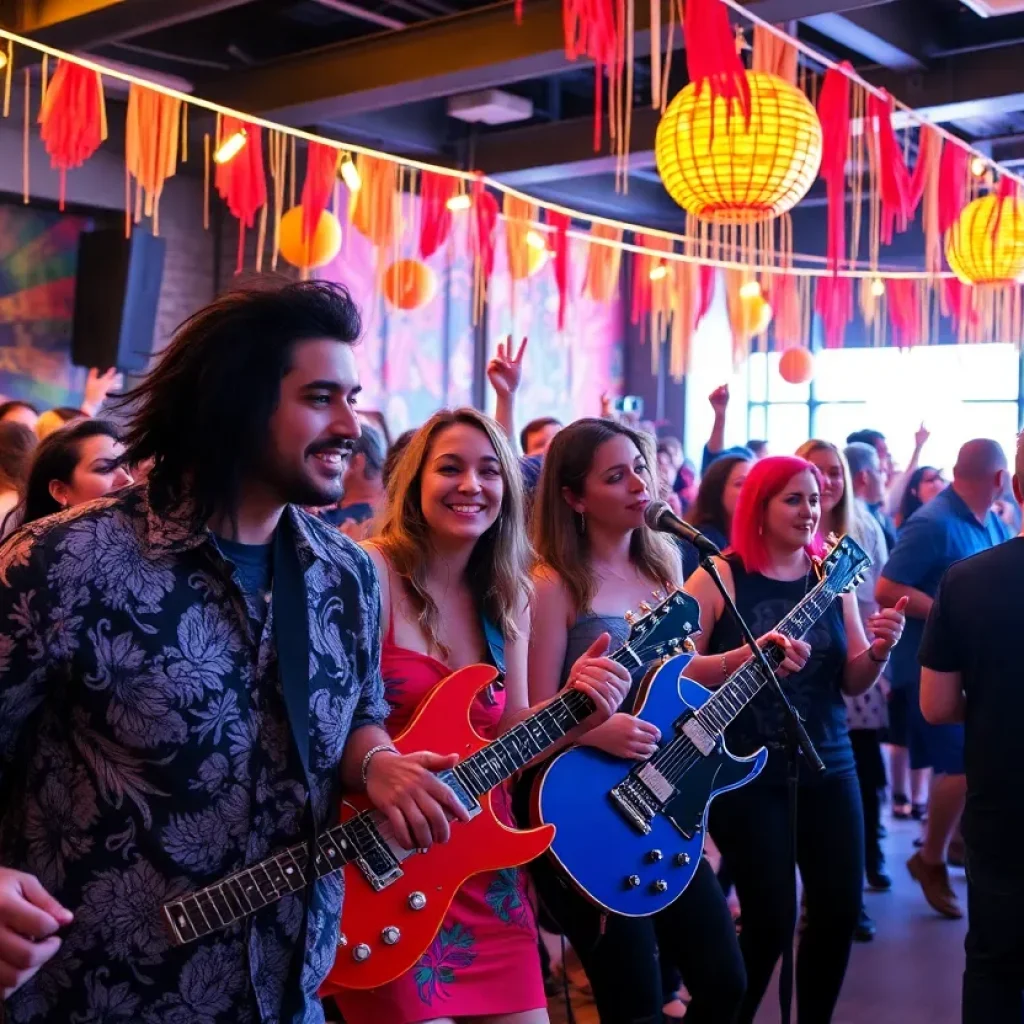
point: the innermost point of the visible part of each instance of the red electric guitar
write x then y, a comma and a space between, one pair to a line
396, 899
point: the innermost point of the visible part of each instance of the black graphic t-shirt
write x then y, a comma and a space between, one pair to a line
815, 691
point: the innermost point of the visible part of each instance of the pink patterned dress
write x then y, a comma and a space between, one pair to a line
484, 959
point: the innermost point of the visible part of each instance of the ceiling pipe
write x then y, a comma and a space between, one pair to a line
353, 11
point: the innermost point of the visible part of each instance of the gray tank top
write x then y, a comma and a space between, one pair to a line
584, 631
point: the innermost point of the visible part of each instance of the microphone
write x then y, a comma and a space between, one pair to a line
658, 516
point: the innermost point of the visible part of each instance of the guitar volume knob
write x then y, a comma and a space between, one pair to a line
390, 935
417, 900
633, 882
654, 856
682, 859
660, 885
361, 952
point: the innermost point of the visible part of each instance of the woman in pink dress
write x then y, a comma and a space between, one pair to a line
453, 560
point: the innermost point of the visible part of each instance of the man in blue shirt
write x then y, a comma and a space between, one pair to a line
956, 524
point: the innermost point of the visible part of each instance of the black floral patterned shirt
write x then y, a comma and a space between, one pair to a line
145, 752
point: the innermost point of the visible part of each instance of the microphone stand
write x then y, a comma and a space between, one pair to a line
796, 735
797, 742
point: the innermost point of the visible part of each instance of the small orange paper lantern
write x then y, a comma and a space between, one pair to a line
796, 366
985, 245
723, 169
409, 284
323, 246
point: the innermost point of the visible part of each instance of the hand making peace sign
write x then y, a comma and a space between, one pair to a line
505, 371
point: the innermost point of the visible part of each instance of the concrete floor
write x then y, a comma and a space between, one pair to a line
910, 974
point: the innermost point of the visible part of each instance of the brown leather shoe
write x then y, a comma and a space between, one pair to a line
934, 882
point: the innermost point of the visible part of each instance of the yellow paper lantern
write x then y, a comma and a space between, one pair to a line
409, 284
323, 246
986, 243
723, 169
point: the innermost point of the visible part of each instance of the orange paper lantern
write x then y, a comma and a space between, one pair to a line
323, 246
409, 284
796, 366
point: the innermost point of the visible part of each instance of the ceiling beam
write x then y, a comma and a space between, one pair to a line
883, 35
87, 24
957, 88
480, 49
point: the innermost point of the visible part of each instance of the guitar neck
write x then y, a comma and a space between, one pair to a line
534, 736
731, 698
254, 888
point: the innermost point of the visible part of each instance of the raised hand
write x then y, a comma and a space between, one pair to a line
97, 387
719, 398
885, 628
505, 370
921, 436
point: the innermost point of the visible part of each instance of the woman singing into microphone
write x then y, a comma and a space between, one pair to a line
596, 560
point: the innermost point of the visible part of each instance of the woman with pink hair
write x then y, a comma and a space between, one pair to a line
768, 569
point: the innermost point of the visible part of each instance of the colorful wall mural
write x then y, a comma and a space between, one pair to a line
414, 362
38, 255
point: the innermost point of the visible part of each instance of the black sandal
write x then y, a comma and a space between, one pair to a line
901, 806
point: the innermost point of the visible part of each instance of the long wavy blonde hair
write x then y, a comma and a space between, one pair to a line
842, 514
498, 569
560, 544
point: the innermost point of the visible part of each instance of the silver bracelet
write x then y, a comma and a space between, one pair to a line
877, 661
376, 750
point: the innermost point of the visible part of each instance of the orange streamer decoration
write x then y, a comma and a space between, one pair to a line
603, 264
558, 243
519, 216
373, 207
152, 126
241, 181
72, 118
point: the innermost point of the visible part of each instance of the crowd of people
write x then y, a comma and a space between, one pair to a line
233, 550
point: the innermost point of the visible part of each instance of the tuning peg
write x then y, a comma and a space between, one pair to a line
645, 607
629, 617
670, 588
656, 594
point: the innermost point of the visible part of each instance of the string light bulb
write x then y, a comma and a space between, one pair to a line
535, 240
459, 202
231, 147
3, 60
750, 290
350, 173
659, 272
878, 288
978, 167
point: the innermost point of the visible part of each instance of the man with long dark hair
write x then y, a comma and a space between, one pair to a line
189, 676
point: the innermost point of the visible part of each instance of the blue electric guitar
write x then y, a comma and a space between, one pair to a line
631, 838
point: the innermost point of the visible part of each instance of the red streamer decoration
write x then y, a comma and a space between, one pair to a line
482, 224
893, 176
834, 114
558, 243
72, 118
833, 302
929, 152
707, 292
961, 308
711, 56
904, 311
241, 181
953, 170
321, 174
592, 30
435, 217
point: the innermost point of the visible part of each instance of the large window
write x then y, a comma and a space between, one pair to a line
957, 391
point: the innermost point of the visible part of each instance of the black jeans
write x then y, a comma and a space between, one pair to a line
867, 753
621, 954
751, 828
994, 976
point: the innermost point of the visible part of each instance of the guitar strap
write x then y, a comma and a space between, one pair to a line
291, 638
495, 643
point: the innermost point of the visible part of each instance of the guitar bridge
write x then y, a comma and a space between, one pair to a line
636, 803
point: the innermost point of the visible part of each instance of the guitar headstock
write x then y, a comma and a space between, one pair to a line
845, 564
663, 630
